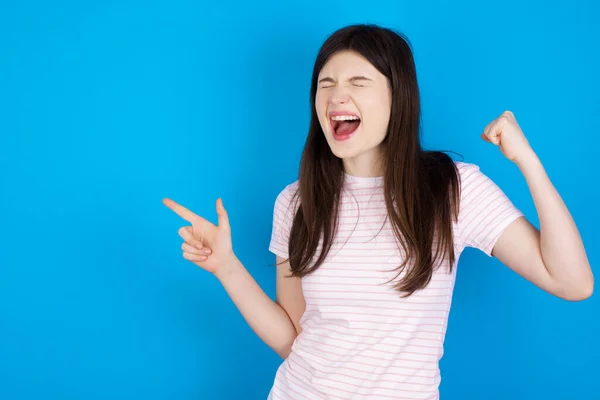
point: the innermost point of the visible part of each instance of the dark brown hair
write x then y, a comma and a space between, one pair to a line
421, 188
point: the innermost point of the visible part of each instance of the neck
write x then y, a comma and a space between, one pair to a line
364, 165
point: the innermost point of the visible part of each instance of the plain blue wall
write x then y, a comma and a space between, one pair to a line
107, 107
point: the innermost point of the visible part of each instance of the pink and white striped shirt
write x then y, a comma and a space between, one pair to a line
359, 339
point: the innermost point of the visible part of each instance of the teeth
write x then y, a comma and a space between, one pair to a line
344, 118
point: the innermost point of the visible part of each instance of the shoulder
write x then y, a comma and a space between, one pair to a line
288, 195
468, 172
463, 167
485, 210
289, 190
477, 189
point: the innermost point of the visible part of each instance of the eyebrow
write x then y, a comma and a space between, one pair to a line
354, 78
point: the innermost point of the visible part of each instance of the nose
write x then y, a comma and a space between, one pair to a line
339, 96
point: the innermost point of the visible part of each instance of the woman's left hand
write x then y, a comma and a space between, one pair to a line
506, 133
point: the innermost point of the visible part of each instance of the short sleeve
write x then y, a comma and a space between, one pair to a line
283, 217
485, 210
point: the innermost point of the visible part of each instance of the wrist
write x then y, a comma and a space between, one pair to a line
527, 160
230, 264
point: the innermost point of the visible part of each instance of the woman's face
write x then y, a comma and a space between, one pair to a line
353, 103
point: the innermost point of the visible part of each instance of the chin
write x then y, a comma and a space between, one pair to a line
344, 152
349, 150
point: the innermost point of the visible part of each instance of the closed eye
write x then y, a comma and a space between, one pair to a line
326, 83
358, 81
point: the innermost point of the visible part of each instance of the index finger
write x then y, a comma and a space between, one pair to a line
181, 211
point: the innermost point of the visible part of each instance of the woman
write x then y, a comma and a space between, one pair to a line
367, 239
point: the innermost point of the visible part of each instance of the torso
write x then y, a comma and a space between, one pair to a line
359, 338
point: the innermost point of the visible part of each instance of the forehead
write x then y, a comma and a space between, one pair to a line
347, 62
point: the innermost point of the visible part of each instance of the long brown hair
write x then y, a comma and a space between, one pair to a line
421, 188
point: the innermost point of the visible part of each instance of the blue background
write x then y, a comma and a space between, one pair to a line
107, 107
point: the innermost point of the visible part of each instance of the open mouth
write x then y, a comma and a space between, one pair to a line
343, 126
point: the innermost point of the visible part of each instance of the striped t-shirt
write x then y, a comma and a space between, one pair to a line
360, 339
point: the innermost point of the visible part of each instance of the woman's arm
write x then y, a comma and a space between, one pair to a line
209, 247
554, 256
276, 323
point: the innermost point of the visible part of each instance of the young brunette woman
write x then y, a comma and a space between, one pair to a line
368, 238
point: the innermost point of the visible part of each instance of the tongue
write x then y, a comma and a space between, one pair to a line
346, 127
